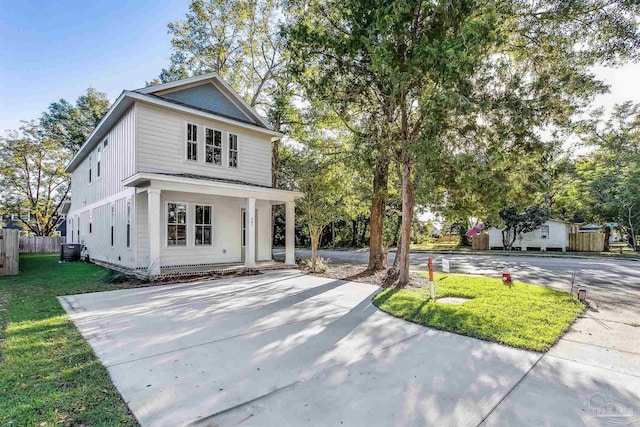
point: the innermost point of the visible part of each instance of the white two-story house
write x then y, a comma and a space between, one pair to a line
177, 175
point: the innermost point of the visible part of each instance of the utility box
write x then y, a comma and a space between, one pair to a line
70, 252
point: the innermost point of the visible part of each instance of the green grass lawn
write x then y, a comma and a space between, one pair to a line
431, 246
523, 315
48, 373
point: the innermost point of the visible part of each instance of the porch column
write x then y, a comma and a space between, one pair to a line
250, 248
290, 242
154, 231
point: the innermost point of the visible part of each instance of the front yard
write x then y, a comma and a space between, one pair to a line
523, 315
48, 374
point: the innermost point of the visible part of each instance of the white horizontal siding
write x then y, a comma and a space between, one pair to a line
226, 247
161, 147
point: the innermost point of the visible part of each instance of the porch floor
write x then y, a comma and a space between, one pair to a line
226, 268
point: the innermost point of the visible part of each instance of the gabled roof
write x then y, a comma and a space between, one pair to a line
148, 95
219, 83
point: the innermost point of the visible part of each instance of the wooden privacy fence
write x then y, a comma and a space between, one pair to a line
9, 252
40, 244
586, 242
480, 242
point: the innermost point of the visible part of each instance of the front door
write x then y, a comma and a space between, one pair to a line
243, 233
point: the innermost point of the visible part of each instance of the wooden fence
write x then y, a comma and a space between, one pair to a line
9, 252
586, 242
40, 244
480, 242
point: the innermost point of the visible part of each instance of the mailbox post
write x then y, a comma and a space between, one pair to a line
432, 290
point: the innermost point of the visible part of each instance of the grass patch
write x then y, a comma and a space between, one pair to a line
431, 246
48, 374
523, 315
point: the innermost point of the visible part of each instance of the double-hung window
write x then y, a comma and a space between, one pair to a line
98, 163
128, 224
203, 225
233, 150
213, 146
176, 224
192, 141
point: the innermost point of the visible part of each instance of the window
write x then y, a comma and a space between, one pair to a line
213, 146
90, 171
544, 232
203, 225
98, 163
176, 224
113, 227
128, 223
105, 144
192, 142
243, 233
233, 150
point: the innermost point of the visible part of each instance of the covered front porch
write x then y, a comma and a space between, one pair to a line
187, 224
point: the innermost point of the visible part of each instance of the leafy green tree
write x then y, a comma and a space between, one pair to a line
515, 223
606, 180
32, 176
71, 124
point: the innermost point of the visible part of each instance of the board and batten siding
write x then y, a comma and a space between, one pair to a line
90, 217
161, 147
226, 246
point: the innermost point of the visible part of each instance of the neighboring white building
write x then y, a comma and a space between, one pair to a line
553, 235
177, 175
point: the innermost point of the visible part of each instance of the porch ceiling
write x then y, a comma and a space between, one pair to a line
207, 185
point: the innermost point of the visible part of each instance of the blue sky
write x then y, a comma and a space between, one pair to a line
57, 49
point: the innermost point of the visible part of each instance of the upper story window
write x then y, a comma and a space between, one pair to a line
233, 150
192, 141
176, 224
98, 172
213, 145
105, 144
90, 170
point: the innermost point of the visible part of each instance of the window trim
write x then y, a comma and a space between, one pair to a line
229, 150
166, 224
187, 142
128, 213
222, 157
98, 165
105, 144
196, 225
542, 236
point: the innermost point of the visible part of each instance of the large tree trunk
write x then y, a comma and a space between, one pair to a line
314, 233
396, 232
408, 200
607, 237
377, 256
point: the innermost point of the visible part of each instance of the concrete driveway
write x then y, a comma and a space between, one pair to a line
286, 349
